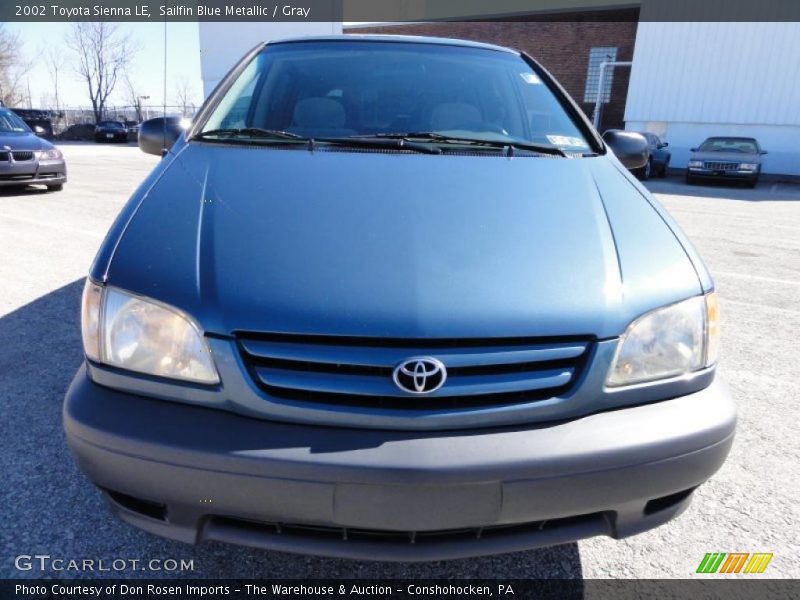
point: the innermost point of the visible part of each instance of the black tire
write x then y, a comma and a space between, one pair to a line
689, 179
752, 183
646, 172
663, 172
57, 187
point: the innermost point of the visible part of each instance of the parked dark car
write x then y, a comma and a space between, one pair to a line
380, 313
110, 131
26, 159
39, 121
132, 128
726, 158
660, 157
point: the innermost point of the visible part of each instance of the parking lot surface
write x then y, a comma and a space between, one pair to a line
749, 238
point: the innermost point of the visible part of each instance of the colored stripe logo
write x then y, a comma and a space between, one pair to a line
734, 562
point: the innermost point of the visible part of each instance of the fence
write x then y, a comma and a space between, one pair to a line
68, 116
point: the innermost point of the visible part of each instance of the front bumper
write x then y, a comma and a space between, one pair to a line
50, 172
195, 474
702, 173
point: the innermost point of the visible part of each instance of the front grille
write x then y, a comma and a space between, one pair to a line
19, 155
721, 166
358, 371
223, 528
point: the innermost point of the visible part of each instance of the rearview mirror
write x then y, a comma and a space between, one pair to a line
156, 136
629, 147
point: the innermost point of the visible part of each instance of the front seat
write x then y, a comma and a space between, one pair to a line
320, 117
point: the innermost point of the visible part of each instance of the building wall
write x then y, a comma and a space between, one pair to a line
562, 47
693, 80
222, 44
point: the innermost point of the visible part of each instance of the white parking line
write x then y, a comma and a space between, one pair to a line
757, 277
93, 234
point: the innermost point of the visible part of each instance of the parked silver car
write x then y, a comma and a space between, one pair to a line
730, 158
27, 159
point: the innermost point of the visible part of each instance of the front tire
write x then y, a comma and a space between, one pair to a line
663, 172
55, 187
644, 172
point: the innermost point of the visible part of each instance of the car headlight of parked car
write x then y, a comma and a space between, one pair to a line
748, 167
51, 154
130, 332
668, 342
695, 163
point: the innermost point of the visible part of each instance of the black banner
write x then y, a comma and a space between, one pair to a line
397, 10
518, 589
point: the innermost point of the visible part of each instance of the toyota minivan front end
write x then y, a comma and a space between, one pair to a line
393, 298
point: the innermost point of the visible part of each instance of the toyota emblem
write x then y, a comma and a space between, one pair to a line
419, 375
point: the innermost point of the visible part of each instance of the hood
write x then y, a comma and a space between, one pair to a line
23, 140
739, 157
400, 245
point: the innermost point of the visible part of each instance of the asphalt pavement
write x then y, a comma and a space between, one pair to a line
749, 238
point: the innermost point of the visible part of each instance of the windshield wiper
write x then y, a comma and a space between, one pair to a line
376, 142
451, 139
250, 132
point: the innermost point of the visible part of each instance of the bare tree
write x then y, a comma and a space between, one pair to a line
55, 61
13, 68
184, 96
103, 52
133, 95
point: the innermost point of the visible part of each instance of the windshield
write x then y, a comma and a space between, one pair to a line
743, 146
9, 122
360, 88
111, 124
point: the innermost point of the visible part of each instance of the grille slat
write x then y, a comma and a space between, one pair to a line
366, 385
389, 357
358, 371
721, 166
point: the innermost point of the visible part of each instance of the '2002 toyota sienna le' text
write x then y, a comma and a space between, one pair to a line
394, 298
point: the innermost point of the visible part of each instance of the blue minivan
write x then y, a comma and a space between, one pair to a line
393, 298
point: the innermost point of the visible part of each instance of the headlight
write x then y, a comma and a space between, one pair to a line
51, 154
142, 335
695, 163
748, 167
668, 342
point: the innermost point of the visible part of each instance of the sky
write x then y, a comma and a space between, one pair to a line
146, 71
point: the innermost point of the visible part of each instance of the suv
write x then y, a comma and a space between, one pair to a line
39, 121
394, 298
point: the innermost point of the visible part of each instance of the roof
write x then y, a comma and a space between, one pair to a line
407, 39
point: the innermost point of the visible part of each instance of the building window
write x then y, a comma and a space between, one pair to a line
597, 55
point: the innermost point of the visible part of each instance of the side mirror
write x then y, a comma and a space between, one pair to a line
629, 147
763, 152
663, 145
156, 136
692, 149
39, 130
